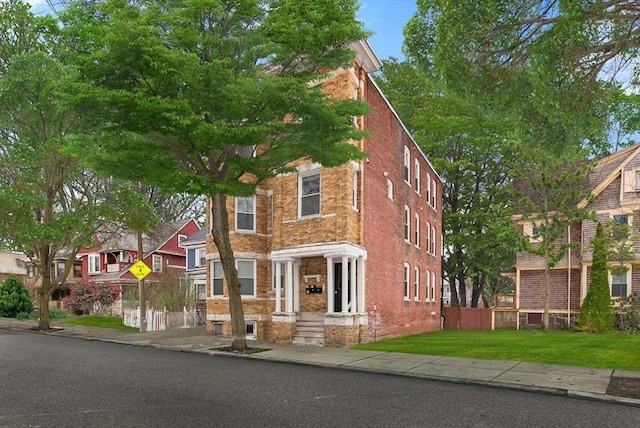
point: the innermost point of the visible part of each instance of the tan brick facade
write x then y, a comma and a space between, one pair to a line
366, 231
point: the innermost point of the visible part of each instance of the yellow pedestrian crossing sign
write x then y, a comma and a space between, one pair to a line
140, 270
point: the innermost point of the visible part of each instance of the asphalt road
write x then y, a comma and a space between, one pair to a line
48, 381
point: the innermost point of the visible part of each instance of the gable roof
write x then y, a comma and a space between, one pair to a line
608, 169
157, 237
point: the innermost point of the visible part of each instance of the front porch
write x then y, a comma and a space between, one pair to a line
319, 305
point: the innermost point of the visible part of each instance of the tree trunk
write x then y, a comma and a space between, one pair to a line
478, 288
43, 309
547, 286
454, 292
462, 290
221, 239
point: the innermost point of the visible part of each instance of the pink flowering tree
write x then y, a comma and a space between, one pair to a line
93, 296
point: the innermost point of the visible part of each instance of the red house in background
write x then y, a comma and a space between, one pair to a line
111, 259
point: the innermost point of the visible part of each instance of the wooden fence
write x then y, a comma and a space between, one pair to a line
163, 319
459, 318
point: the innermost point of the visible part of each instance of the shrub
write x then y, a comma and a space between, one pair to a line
14, 298
92, 297
596, 313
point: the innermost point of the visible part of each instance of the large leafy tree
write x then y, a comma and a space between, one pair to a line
550, 195
472, 149
211, 97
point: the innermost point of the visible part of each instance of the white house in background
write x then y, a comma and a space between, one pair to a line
196, 271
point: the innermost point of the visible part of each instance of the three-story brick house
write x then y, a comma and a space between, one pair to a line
338, 256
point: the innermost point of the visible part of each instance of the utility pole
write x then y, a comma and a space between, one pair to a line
141, 297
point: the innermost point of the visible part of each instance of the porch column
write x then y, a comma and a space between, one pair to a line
345, 278
330, 285
361, 285
296, 286
278, 285
288, 302
354, 307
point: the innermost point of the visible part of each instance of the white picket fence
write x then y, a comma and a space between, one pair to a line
163, 319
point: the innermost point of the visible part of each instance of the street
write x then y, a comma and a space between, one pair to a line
49, 381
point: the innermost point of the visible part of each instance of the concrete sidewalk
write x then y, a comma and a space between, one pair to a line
577, 382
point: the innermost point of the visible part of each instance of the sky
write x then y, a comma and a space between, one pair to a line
386, 18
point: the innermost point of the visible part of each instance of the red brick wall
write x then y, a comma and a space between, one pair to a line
384, 221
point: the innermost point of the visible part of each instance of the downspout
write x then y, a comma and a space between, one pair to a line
569, 276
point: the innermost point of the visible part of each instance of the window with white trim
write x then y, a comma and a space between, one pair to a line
94, 263
433, 286
200, 257
416, 284
407, 165
407, 224
245, 213
156, 263
434, 249
390, 189
217, 277
428, 186
428, 286
416, 173
247, 277
433, 194
200, 288
309, 194
406, 281
428, 233
354, 194
416, 231
620, 284
251, 330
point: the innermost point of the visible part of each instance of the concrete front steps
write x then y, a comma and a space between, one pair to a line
309, 329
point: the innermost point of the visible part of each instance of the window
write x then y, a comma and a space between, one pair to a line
60, 269
200, 256
535, 231
180, 239
406, 281
416, 231
434, 249
416, 285
156, 263
619, 285
200, 289
274, 278
246, 151
637, 180
30, 271
428, 286
407, 220
433, 194
428, 232
389, 189
428, 185
246, 277
354, 195
217, 276
416, 172
250, 330
309, 191
621, 219
433, 286
94, 264
407, 165
245, 213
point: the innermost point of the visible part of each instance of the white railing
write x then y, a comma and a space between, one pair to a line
163, 319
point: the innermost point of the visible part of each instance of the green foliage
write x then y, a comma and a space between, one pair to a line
596, 312
628, 317
472, 149
14, 298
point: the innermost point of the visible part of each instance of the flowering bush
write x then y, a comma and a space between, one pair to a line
92, 297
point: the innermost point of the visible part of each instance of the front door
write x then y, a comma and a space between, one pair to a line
337, 289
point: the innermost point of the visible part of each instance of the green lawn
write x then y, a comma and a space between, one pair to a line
610, 350
99, 321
